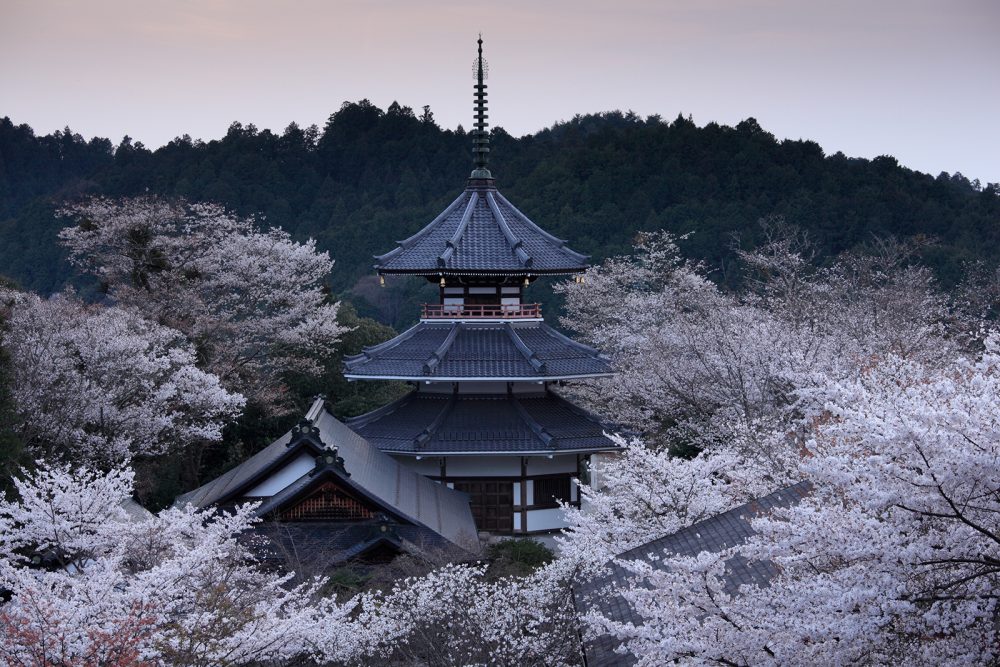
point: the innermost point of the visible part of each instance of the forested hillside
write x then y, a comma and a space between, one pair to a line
370, 177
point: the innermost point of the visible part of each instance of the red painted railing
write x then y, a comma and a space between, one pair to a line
490, 310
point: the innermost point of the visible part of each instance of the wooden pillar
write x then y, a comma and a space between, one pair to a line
524, 494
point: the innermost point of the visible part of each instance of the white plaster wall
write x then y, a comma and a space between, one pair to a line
283, 477
430, 466
517, 493
551, 519
542, 465
530, 492
484, 466
517, 521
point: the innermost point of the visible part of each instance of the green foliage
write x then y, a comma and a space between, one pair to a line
517, 557
370, 177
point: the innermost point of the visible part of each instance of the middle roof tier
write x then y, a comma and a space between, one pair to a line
478, 351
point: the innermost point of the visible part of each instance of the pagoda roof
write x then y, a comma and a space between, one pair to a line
481, 233
464, 350
430, 423
362, 467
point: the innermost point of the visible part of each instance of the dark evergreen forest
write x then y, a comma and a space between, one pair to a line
370, 177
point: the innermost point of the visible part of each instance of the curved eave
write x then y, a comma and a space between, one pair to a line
524, 271
445, 378
546, 453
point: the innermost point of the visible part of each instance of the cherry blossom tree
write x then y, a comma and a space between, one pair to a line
893, 558
102, 384
88, 584
642, 493
252, 302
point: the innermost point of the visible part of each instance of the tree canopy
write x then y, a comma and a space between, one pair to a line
370, 177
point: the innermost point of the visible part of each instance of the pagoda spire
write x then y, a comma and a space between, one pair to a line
480, 135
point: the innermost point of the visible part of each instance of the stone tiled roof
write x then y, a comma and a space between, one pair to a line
426, 423
373, 474
476, 351
716, 534
481, 233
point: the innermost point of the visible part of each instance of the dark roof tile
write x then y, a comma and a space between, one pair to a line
525, 350
481, 232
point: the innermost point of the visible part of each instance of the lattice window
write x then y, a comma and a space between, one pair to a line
492, 504
327, 503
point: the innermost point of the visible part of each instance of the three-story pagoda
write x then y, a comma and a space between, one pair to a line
482, 417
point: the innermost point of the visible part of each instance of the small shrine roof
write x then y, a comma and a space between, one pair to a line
376, 476
431, 423
481, 233
451, 351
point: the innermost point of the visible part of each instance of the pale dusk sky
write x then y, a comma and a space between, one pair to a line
915, 79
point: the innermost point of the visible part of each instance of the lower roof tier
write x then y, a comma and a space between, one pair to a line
464, 350
437, 424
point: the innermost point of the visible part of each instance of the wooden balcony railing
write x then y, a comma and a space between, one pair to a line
489, 310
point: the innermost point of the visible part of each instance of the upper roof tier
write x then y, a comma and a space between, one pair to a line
482, 234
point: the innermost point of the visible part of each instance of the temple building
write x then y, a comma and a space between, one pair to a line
326, 492
482, 417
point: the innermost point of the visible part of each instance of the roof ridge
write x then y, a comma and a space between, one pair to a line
512, 240
410, 240
438, 355
362, 420
366, 352
540, 432
447, 253
551, 331
432, 428
523, 348
555, 239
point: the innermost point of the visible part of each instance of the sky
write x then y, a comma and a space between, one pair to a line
915, 79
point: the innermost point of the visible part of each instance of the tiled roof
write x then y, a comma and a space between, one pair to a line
329, 544
481, 233
714, 534
476, 351
428, 423
372, 473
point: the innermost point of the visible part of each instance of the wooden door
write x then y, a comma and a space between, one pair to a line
492, 504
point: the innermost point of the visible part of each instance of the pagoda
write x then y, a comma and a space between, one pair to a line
482, 417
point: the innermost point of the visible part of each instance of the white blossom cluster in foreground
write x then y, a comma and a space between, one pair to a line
91, 585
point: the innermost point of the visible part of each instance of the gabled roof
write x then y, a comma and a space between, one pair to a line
481, 233
399, 490
715, 534
451, 351
430, 423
